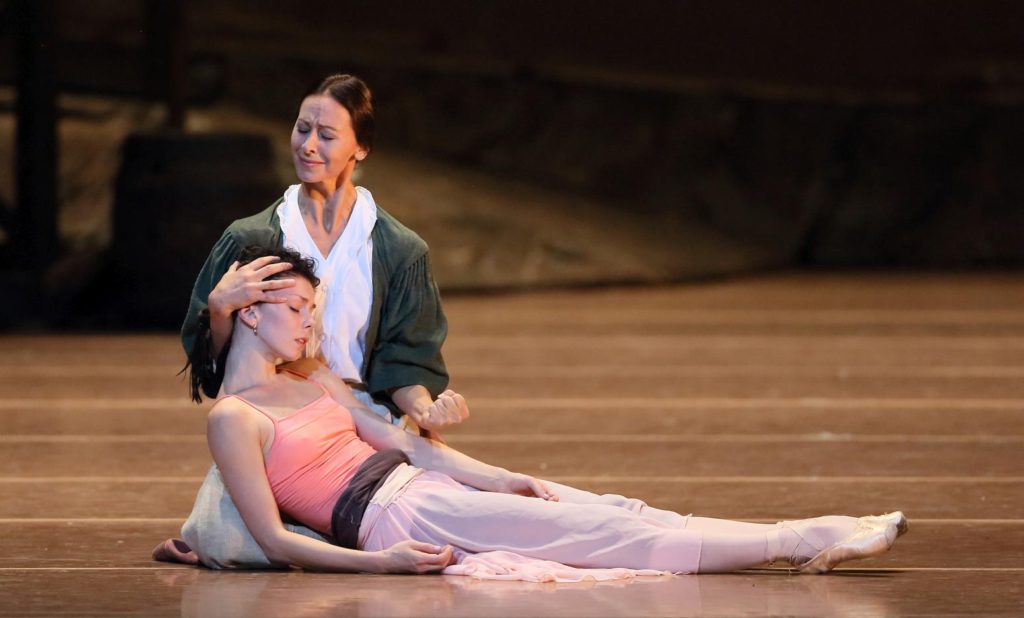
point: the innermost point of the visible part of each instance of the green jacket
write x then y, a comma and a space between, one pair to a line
407, 325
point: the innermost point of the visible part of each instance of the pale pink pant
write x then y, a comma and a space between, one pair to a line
503, 536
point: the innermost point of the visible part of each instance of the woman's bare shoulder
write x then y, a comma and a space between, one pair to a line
229, 411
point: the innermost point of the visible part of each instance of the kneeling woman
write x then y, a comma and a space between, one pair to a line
304, 446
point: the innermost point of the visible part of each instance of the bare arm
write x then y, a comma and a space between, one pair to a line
426, 453
235, 442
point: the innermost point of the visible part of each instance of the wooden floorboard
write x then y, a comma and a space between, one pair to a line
570, 416
783, 458
838, 385
163, 354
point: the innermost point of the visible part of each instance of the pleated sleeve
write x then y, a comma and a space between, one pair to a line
412, 329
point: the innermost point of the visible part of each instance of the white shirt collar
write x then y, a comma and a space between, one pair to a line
357, 231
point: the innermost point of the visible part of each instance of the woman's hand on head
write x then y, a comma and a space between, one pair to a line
415, 557
450, 408
242, 286
525, 485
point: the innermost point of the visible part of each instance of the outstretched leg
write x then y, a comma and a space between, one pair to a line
436, 509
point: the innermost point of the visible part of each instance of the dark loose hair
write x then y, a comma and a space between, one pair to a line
354, 95
204, 375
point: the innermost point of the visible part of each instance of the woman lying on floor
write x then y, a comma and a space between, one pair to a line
398, 503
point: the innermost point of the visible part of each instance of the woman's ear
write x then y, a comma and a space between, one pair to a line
250, 316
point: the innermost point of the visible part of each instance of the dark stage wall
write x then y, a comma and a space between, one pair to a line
782, 134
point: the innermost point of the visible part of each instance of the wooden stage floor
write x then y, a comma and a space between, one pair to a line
781, 397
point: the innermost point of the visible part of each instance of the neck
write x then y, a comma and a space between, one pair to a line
328, 210
248, 364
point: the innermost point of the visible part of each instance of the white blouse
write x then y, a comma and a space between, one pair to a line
343, 299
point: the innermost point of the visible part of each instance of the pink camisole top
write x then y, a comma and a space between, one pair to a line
313, 456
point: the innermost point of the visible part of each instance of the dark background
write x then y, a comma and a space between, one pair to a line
532, 144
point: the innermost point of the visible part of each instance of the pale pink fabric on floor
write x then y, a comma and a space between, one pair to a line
502, 536
505, 565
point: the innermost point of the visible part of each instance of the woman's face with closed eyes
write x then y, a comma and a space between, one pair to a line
323, 142
286, 326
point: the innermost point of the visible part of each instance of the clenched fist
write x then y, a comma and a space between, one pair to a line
449, 408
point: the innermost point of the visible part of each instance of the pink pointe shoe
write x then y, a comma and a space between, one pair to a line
874, 535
